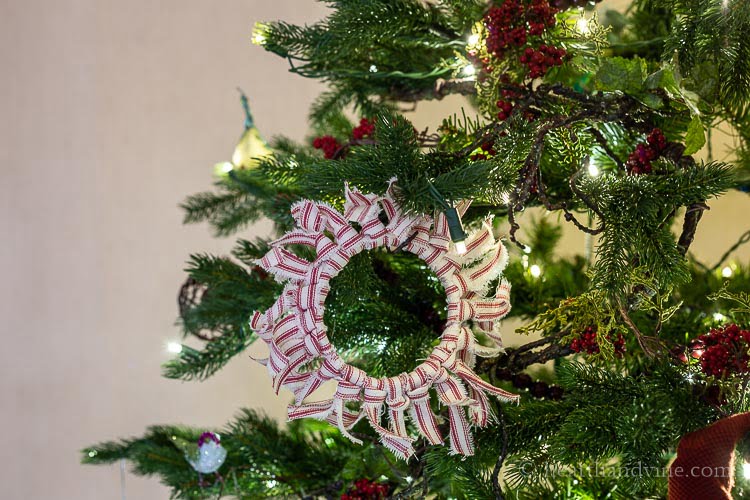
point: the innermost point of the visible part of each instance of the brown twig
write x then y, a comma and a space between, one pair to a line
441, 89
519, 358
651, 346
693, 216
592, 109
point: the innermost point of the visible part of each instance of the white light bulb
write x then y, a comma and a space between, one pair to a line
535, 270
373, 68
593, 169
746, 470
719, 317
526, 249
473, 39
582, 25
226, 167
259, 38
174, 347
469, 70
727, 272
460, 247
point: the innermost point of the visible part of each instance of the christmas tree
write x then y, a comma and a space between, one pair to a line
399, 252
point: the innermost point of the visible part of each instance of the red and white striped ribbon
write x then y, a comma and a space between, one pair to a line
294, 329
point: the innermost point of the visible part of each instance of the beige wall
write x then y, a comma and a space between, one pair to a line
112, 112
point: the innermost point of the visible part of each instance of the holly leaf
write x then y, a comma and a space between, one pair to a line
695, 138
664, 79
650, 100
618, 73
669, 80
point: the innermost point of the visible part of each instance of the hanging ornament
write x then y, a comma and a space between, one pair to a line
250, 149
302, 357
207, 456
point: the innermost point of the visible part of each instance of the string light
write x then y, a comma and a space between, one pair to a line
727, 272
535, 270
473, 39
456, 230
593, 168
223, 168
373, 68
719, 317
746, 470
582, 25
174, 347
469, 70
506, 198
259, 35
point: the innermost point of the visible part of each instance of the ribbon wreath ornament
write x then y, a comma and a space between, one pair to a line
302, 358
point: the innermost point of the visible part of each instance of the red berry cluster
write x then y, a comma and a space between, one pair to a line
506, 107
506, 104
505, 27
540, 61
364, 489
328, 144
331, 146
365, 129
510, 25
726, 350
486, 150
586, 342
639, 161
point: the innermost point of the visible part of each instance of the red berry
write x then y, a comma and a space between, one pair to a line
639, 161
328, 144
587, 342
723, 351
364, 489
365, 129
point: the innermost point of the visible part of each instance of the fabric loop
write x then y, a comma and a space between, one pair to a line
302, 358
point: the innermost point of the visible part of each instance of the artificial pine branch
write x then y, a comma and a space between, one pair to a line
633, 102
